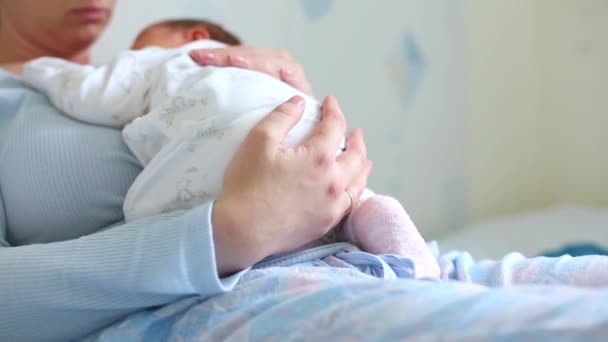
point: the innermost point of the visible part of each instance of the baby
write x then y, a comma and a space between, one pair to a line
184, 122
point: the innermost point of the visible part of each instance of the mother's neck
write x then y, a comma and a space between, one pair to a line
16, 49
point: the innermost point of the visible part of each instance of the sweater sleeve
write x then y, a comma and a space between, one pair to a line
110, 95
65, 290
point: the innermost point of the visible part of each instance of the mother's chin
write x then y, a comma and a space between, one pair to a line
60, 28
83, 25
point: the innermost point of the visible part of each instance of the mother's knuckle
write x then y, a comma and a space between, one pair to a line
337, 118
261, 133
282, 110
298, 68
340, 121
324, 160
361, 158
283, 53
334, 189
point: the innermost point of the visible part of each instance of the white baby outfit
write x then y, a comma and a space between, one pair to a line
184, 123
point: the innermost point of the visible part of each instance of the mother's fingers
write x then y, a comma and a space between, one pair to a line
353, 166
222, 57
355, 153
273, 128
356, 188
329, 133
277, 63
268, 61
294, 76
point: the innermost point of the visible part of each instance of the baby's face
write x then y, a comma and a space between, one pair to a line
161, 36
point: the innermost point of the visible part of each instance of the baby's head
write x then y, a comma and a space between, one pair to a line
176, 33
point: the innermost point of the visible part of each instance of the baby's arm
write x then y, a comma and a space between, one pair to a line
111, 95
380, 225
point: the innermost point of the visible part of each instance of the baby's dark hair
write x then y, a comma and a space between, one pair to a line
216, 32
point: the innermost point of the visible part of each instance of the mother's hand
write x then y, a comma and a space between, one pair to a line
275, 199
274, 62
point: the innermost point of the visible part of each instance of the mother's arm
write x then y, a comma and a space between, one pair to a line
65, 290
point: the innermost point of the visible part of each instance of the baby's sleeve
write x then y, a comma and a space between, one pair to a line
110, 95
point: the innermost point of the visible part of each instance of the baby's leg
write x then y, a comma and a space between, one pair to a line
380, 225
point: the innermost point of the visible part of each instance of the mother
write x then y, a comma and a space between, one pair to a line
69, 267
63, 180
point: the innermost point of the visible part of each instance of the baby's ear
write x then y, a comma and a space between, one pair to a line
199, 32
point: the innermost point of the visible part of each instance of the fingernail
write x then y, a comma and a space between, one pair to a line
327, 100
237, 61
335, 100
285, 74
203, 57
297, 100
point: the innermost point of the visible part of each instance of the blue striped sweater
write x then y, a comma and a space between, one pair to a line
62, 273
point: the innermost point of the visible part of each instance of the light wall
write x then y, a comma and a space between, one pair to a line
507, 170
574, 98
539, 105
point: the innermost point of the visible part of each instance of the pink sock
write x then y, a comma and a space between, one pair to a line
380, 225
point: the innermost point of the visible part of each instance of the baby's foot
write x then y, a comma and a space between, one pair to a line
380, 225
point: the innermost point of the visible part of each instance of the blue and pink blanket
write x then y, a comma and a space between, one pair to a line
354, 296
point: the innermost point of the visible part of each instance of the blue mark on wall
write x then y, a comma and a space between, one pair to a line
316, 9
415, 65
407, 66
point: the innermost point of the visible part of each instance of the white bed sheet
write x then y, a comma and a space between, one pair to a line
531, 233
